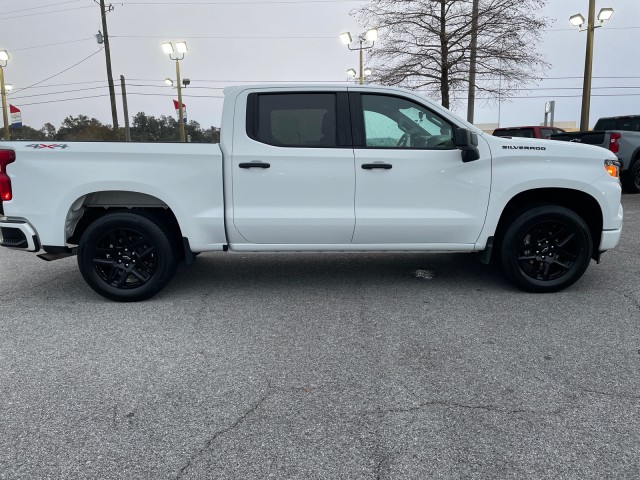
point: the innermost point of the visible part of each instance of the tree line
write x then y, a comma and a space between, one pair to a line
144, 128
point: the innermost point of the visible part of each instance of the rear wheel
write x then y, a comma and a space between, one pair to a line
546, 249
127, 256
631, 178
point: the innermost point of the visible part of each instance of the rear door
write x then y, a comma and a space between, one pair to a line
293, 169
411, 184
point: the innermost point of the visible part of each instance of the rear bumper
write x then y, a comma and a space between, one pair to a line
18, 234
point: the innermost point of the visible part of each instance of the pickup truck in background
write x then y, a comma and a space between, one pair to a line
621, 135
321, 168
534, 131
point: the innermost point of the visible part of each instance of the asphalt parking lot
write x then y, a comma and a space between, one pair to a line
329, 366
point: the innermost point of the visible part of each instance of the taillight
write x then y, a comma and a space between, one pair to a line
6, 157
614, 146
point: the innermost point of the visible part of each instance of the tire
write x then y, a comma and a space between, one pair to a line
631, 178
127, 257
545, 249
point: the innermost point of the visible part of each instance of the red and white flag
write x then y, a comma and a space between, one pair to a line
176, 105
16, 117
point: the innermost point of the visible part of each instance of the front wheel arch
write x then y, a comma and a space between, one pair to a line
545, 248
581, 203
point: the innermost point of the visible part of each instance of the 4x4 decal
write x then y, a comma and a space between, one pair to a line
52, 146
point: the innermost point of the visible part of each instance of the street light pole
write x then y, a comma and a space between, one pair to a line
182, 49
588, 68
180, 109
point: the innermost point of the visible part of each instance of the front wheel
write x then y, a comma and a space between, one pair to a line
127, 256
546, 249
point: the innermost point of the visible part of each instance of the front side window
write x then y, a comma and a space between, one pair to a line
394, 122
296, 119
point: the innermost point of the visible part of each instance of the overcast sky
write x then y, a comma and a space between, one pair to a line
232, 42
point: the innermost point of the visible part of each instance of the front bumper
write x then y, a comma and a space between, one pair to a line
18, 234
610, 239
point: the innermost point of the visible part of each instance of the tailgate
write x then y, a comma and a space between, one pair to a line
590, 138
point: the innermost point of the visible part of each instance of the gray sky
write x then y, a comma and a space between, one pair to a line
233, 42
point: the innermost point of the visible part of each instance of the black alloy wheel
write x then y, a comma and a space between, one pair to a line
546, 249
126, 256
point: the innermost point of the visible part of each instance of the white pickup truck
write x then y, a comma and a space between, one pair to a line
313, 168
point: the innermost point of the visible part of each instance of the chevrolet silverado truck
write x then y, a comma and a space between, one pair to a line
320, 168
621, 135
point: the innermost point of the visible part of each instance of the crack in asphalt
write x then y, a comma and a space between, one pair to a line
217, 434
611, 394
379, 468
447, 404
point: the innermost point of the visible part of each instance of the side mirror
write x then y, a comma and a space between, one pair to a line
467, 141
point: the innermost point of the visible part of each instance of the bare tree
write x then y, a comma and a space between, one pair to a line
426, 44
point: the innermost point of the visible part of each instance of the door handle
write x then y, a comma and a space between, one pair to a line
371, 166
254, 165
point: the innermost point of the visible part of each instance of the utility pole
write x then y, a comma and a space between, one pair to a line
125, 110
107, 52
472, 63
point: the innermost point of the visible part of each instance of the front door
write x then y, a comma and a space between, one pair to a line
411, 184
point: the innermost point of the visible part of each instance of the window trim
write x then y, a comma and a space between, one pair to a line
358, 126
343, 125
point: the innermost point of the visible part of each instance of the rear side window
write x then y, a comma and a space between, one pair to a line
623, 123
515, 132
546, 132
293, 119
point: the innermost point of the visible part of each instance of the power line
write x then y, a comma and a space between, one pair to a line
56, 93
106, 95
41, 6
52, 44
62, 84
44, 13
63, 71
251, 2
224, 37
62, 100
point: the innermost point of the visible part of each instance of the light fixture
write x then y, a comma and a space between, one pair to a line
605, 14
168, 81
351, 72
372, 35
8, 87
4, 56
182, 47
345, 38
576, 20
167, 48
367, 72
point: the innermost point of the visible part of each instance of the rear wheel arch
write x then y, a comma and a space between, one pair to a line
89, 208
